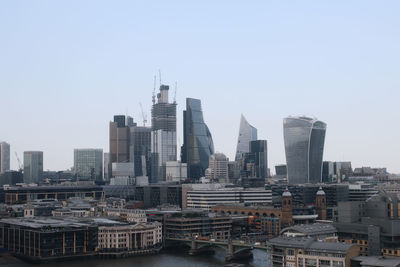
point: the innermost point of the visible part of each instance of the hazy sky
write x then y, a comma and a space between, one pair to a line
66, 67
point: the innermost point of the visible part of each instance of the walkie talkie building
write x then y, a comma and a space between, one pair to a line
304, 146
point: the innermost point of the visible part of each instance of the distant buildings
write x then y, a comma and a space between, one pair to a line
281, 171
197, 140
255, 162
304, 146
4, 157
218, 168
140, 149
119, 140
247, 133
33, 167
163, 134
88, 164
175, 171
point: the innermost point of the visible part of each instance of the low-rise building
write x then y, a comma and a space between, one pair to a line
307, 252
119, 237
129, 215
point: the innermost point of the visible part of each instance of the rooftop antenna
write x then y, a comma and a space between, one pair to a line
176, 87
159, 75
154, 90
144, 116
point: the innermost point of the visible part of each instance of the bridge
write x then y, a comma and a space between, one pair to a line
234, 249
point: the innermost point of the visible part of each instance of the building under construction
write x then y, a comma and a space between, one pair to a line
163, 134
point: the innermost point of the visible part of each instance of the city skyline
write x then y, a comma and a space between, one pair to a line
276, 61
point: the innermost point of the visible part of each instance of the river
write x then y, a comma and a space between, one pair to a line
173, 259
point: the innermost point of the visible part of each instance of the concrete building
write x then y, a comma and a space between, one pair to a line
4, 157
361, 191
127, 237
374, 224
106, 167
128, 215
21, 194
175, 171
88, 164
33, 167
298, 252
304, 146
198, 145
318, 231
163, 134
218, 168
205, 196
195, 224
247, 133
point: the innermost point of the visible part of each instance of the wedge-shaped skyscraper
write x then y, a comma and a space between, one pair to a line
247, 133
198, 144
304, 146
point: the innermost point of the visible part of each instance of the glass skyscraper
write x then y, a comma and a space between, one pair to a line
247, 133
4, 157
198, 144
88, 164
304, 146
33, 167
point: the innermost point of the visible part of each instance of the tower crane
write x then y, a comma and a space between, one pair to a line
144, 116
20, 166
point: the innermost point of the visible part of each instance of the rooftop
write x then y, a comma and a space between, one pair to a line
312, 229
378, 261
311, 244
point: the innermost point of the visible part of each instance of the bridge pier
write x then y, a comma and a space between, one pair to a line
239, 254
196, 250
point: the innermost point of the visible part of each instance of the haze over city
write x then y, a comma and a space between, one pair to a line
64, 74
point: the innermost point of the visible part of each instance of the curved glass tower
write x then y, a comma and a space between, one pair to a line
198, 144
247, 133
304, 146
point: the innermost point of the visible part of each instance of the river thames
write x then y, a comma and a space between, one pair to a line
163, 259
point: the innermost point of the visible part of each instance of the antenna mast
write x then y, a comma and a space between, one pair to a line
176, 87
159, 74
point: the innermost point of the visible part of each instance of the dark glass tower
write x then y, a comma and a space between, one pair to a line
304, 146
260, 150
140, 149
197, 140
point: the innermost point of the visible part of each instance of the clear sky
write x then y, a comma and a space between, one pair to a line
66, 67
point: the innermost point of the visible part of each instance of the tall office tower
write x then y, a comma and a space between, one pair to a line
259, 149
197, 140
247, 133
88, 164
163, 134
304, 146
140, 149
119, 141
4, 157
218, 169
33, 167
106, 164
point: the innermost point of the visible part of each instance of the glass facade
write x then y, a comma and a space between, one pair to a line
198, 144
140, 149
88, 164
33, 167
4, 157
304, 146
163, 135
247, 133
